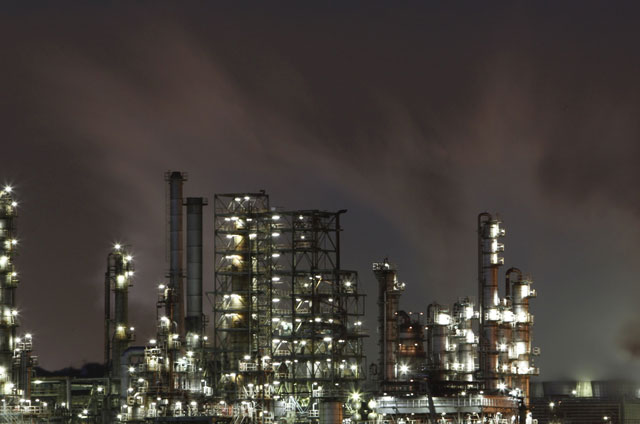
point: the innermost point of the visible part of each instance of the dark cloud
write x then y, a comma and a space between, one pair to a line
414, 117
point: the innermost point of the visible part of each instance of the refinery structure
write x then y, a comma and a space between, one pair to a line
281, 337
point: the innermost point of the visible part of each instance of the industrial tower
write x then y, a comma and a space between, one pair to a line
287, 317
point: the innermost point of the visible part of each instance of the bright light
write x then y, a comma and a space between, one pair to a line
404, 369
502, 386
8, 189
117, 246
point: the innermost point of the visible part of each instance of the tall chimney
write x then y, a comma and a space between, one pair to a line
176, 255
194, 264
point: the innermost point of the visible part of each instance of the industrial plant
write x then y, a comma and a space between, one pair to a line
282, 338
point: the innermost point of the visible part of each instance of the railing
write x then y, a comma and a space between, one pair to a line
23, 409
480, 401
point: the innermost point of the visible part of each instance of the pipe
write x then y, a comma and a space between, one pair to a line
107, 316
176, 273
67, 381
194, 264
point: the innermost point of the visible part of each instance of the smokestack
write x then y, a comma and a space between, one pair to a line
176, 260
194, 264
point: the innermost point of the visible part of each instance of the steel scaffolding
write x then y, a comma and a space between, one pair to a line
8, 284
287, 316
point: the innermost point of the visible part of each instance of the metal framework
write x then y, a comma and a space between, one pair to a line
8, 284
288, 329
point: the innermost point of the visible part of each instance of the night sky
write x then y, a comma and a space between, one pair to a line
414, 116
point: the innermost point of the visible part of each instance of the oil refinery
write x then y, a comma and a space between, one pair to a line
284, 339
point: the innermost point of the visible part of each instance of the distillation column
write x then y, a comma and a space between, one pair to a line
489, 262
194, 265
521, 349
118, 279
389, 290
8, 284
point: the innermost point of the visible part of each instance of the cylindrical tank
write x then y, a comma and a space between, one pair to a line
194, 264
438, 344
467, 345
331, 411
